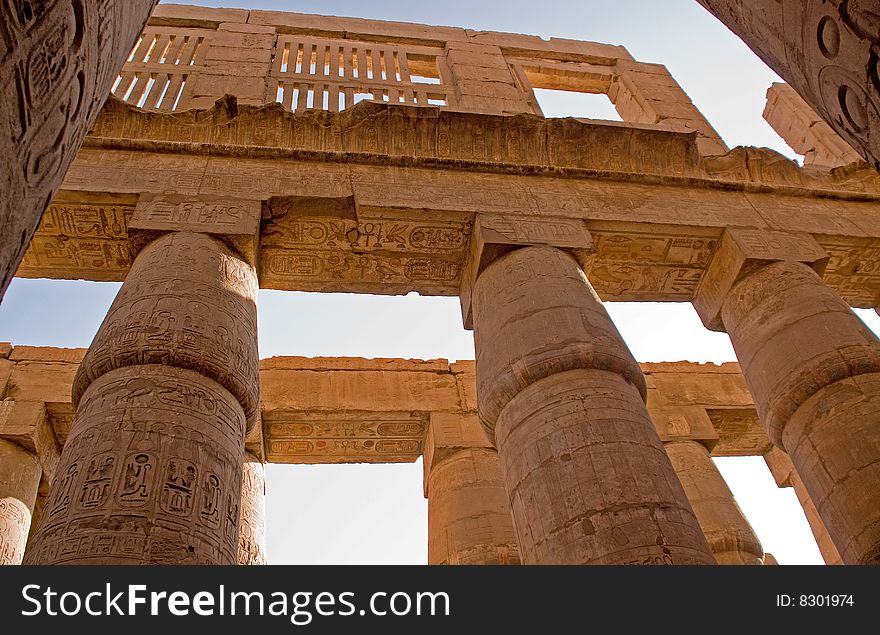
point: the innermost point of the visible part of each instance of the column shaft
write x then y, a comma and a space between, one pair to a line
151, 472
252, 527
729, 534
586, 474
468, 512
19, 480
813, 368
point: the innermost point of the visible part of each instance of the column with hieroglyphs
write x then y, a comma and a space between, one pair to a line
151, 472
729, 534
252, 526
586, 474
28, 455
19, 479
813, 368
469, 518
59, 61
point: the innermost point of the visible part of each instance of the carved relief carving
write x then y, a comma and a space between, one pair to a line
633, 266
187, 302
148, 473
344, 438
252, 525
76, 238
58, 60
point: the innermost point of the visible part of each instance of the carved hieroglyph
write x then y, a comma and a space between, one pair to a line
252, 524
152, 469
58, 60
19, 478
151, 473
188, 302
564, 400
827, 51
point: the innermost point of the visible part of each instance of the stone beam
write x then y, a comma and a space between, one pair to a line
59, 61
826, 51
343, 410
340, 214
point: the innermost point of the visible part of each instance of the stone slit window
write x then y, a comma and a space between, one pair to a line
155, 75
324, 74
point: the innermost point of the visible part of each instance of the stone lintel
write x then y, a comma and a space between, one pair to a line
740, 252
496, 234
27, 424
349, 410
234, 221
447, 434
683, 422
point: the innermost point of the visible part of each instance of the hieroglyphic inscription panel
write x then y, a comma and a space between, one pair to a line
636, 265
376, 255
344, 437
853, 269
151, 473
78, 240
740, 432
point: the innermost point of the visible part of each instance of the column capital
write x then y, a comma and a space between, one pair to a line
448, 433
494, 235
741, 251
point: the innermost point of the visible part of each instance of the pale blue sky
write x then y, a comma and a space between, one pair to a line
376, 514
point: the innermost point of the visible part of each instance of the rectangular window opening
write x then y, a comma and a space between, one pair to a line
192, 60
145, 94
167, 81
299, 59
567, 103
179, 93
285, 57
181, 49
135, 48
150, 50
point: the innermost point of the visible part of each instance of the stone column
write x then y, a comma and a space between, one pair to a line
20, 473
59, 60
560, 393
826, 51
813, 368
252, 526
468, 511
730, 536
785, 476
151, 471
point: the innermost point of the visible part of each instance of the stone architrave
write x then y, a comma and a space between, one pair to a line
587, 476
813, 368
827, 51
19, 480
252, 527
729, 534
152, 468
59, 60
